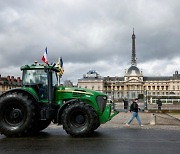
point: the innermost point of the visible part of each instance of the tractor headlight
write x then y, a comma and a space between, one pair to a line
102, 101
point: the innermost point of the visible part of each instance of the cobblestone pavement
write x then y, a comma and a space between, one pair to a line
162, 121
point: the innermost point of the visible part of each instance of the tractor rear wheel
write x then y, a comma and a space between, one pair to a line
78, 119
17, 114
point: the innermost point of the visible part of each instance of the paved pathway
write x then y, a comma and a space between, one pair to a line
163, 121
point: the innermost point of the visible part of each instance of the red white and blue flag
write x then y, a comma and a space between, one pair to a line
44, 57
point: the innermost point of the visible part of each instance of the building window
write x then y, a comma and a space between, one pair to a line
166, 87
118, 88
113, 87
105, 87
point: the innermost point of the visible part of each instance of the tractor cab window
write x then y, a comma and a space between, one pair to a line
34, 77
37, 77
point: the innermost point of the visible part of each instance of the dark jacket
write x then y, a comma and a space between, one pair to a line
159, 102
134, 107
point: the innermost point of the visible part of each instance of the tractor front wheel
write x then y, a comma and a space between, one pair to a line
78, 119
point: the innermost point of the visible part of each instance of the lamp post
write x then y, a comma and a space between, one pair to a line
145, 100
113, 92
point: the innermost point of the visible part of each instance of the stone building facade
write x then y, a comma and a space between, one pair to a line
9, 82
133, 83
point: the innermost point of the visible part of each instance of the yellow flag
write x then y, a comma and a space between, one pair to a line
60, 66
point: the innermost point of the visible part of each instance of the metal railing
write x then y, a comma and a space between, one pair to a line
170, 100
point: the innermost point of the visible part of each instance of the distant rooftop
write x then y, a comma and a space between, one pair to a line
10, 81
91, 74
157, 78
113, 78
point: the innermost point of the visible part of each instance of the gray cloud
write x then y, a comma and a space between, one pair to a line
90, 34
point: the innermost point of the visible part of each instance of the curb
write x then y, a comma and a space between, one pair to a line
173, 116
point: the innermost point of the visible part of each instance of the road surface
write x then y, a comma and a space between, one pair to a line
130, 140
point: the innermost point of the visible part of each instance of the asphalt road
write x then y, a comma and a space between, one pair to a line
123, 140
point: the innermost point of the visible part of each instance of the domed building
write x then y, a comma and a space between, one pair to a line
133, 80
91, 80
133, 83
133, 71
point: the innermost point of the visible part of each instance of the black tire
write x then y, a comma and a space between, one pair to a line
78, 119
96, 123
96, 120
17, 114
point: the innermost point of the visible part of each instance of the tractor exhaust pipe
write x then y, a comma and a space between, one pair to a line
50, 88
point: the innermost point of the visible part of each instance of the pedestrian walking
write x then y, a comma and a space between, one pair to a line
134, 110
159, 103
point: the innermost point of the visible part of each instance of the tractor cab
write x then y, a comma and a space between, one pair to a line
37, 76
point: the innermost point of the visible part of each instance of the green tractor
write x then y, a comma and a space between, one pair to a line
40, 101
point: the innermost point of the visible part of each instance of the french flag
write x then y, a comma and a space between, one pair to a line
44, 57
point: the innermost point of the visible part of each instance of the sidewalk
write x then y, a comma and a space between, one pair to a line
163, 121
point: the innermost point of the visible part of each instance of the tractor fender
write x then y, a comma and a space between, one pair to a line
20, 90
60, 111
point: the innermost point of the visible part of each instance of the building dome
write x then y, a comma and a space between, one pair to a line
133, 71
91, 74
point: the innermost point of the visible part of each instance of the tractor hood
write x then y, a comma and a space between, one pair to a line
80, 91
97, 100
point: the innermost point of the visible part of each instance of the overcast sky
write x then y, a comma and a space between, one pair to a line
91, 34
